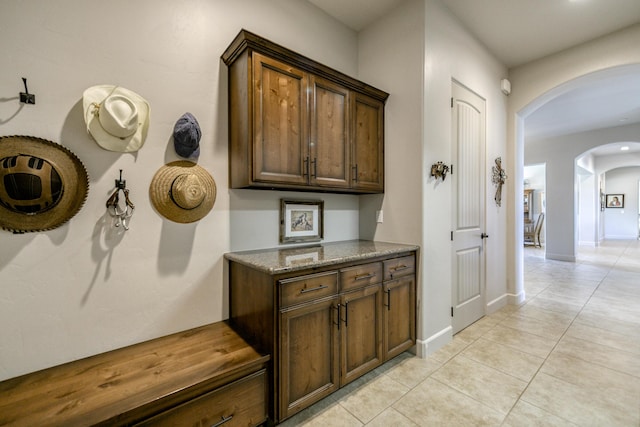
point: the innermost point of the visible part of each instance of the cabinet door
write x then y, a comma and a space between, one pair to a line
329, 134
280, 128
308, 354
368, 144
399, 316
361, 317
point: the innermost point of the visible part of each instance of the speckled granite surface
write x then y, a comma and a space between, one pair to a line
282, 260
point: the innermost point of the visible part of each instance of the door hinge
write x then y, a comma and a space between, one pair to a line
451, 102
452, 236
451, 311
451, 170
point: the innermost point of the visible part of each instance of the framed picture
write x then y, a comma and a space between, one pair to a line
301, 221
615, 200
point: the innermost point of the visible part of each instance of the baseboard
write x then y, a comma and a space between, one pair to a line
497, 304
516, 299
620, 237
560, 257
434, 343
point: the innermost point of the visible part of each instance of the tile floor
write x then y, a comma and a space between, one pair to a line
570, 355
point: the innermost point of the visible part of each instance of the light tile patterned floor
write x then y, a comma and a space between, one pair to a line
570, 355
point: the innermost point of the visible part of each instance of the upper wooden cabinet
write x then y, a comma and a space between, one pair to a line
295, 124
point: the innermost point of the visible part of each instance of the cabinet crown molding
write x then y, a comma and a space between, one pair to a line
248, 40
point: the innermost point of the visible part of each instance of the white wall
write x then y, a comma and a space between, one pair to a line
391, 54
588, 205
533, 84
451, 53
622, 223
82, 289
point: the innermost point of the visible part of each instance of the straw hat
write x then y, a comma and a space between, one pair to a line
117, 118
42, 184
182, 191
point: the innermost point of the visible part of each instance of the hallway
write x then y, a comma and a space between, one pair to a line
570, 355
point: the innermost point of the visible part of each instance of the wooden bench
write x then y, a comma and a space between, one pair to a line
203, 375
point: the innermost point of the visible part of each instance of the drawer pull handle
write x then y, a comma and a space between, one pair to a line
388, 304
364, 276
223, 420
318, 288
394, 270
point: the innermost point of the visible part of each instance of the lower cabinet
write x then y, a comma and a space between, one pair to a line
329, 327
309, 354
399, 316
361, 333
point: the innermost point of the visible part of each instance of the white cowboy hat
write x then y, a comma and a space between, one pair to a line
117, 118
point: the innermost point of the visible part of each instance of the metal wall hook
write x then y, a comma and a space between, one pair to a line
120, 183
26, 97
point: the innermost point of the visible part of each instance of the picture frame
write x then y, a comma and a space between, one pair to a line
615, 201
301, 221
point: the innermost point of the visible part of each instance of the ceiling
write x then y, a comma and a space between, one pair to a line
512, 29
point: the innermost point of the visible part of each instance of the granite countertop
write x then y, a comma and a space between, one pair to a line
282, 260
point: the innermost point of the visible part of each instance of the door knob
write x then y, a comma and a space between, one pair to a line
484, 236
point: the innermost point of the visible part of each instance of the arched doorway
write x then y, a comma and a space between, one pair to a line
559, 152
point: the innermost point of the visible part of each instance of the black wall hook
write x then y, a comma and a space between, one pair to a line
26, 97
120, 183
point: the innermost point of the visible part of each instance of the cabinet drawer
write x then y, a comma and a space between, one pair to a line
360, 275
398, 267
307, 288
241, 403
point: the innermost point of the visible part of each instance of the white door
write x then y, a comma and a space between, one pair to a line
468, 132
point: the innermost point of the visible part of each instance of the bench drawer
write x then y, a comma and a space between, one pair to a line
307, 288
241, 403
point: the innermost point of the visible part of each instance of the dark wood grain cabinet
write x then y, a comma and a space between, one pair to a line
325, 326
296, 124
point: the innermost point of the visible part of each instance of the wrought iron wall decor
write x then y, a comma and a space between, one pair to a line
120, 214
439, 170
498, 178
